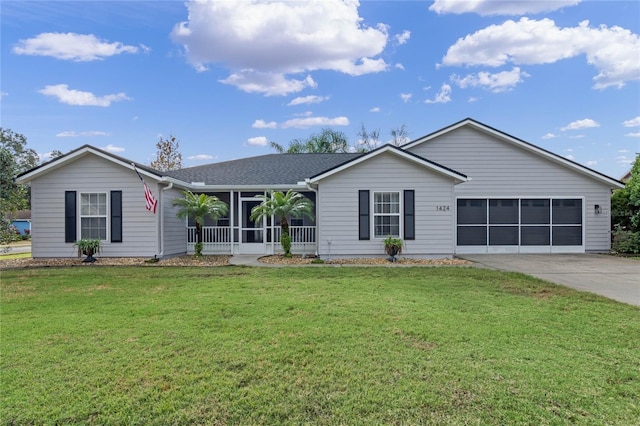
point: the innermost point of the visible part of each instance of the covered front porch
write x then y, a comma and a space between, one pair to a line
237, 234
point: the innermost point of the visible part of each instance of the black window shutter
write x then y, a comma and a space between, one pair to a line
363, 215
116, 216
409, 214
70, 223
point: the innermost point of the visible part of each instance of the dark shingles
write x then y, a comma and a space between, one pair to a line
264, 170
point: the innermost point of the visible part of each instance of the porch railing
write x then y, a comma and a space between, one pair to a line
217, 239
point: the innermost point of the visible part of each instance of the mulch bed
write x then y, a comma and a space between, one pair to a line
380, 261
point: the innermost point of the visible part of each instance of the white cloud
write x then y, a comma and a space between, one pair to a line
634, 122
576, 137
549, 136
633, 135
591, 163
399, 66
403, 38
406, 97
261, 124
200, 157
623, 151
624, 160
472, 99
79, 98
375, 109
73, 47
528, 42
258, 141
3, 94
311, 99
73, 133
504, 7
113, 148
569, 157
498, 82
586, 123
262, 43
303, 123
443, 97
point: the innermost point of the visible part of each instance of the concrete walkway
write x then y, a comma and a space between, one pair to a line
617, 278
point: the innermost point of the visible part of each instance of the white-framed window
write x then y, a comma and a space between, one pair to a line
93, 215
386, 214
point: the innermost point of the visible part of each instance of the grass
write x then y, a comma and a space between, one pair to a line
234, 345
7, 256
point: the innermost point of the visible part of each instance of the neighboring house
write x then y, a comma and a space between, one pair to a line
21, 220
626, 178
467, 188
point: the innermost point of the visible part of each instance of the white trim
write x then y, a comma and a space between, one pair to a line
400, 213
397, 151
522, 144
106, 216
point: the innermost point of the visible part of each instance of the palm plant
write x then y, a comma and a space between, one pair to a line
290, 205
198, 207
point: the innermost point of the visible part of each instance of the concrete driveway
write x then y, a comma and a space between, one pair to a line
617, 278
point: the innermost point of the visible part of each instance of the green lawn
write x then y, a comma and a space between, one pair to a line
230, 345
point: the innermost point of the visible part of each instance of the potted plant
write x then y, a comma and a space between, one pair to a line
88, 247
393, 246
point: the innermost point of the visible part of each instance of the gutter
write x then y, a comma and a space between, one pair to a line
161, 218
307, 183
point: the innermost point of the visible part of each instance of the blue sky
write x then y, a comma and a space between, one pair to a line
227, 77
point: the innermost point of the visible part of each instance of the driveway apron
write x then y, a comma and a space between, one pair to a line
617, 278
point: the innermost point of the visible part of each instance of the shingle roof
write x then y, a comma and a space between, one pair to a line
264, 170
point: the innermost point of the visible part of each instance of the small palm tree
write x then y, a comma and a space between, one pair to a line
199, 207
290, 205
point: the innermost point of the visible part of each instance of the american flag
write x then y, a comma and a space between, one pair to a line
150, 200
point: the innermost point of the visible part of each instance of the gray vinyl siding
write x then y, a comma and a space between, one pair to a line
175, 230
499, 168
338, 208
92, 174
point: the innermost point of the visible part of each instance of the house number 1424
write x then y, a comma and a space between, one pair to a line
442, 208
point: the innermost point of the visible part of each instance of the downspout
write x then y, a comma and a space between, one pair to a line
312, 189
161, 255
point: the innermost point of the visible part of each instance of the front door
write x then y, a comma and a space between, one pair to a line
251, 233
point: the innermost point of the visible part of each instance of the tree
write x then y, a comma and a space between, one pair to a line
368, 140
399, 135
15, 158
634, 193
168, 156
328, 140
290, 205
199, 207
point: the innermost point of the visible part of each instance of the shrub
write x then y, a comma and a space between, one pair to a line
625, 241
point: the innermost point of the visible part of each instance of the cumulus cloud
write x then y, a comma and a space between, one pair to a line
569, 157
200, 157
403, 38
258, 141
591, 163
263, 43
375, 109
306, 122
73, 134
406, 97
493, 7
549, 136
80, 98
73, 47
612, 51
586, 123
443, 97
633, 135
634, 122
498, 82
261, 124
311, 99
113, 148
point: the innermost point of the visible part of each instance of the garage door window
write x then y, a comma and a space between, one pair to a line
513, 222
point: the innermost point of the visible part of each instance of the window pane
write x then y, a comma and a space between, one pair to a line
503, 211
472, 235
386, 225
503, 235
535, 236
93, 227
567, 235
567, 211
535, 211
472, 211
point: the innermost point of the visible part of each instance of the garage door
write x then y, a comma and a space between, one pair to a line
519, 225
